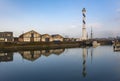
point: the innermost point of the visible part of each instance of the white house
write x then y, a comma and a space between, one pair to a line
31, 36
46, 38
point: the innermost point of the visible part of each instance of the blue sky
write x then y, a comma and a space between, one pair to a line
60, 16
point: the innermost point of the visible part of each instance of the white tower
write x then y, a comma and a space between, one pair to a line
84, 33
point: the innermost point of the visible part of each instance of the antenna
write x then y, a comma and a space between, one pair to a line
91, 33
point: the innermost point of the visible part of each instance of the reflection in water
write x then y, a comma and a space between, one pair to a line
72, 65
34, 55
6, 57
91, 55
84, 73
30, 55
84, 56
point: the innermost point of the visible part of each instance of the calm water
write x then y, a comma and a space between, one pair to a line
76, 64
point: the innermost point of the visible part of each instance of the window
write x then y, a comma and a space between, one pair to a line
32, 34
1, 38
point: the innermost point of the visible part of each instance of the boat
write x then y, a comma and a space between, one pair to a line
95, 44
116, 45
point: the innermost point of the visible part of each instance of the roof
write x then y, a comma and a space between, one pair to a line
55, 35
6, 32
31, 32
45, 35
28, 32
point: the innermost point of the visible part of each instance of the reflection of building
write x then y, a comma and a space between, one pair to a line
5, 57
30, 55
6, 36
52, 51
31, 36
34, 55
46, 52
58, 51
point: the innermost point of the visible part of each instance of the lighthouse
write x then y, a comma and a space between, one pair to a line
84, 33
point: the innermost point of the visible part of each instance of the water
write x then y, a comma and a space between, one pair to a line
74, 64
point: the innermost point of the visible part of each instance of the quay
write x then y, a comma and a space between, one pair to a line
47, 45
40, 45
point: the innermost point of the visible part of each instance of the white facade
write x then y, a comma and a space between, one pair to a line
30, 36
84, 33
46, 38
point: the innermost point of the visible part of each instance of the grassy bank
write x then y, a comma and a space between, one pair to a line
45, 45
37, 45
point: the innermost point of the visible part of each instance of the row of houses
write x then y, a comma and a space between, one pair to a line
30, 36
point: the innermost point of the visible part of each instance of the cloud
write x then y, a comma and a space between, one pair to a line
118, 10
95, 25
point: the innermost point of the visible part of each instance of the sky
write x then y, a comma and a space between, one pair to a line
60, 17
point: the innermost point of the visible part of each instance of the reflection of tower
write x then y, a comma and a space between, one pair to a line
84, 33
91, 55
84, 73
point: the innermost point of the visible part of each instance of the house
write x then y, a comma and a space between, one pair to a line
6, 36
31, 36
57, 38
46, 38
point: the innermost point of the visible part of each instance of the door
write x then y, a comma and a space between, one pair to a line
32, 37
47, 39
